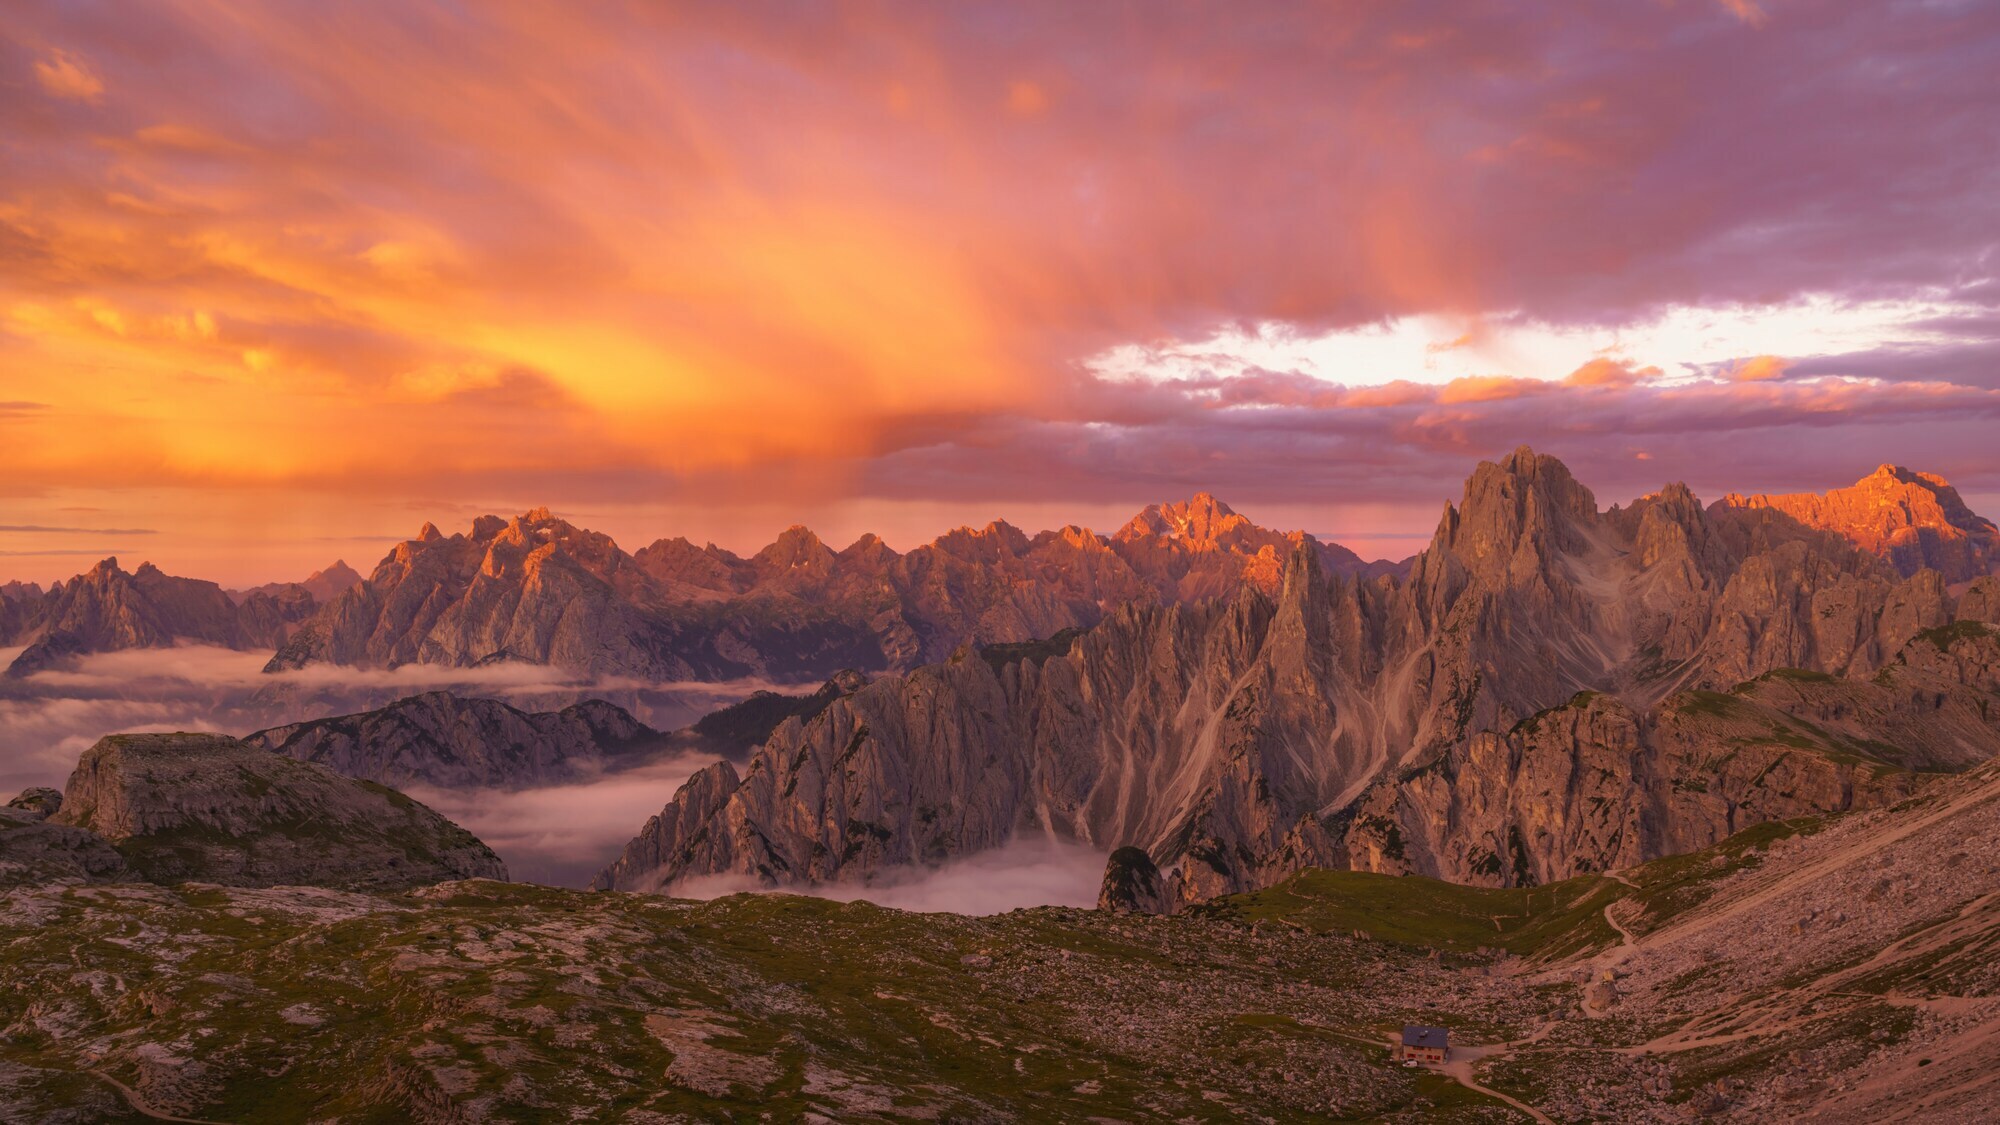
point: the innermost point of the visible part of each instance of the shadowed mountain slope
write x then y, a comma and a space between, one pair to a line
1554, 690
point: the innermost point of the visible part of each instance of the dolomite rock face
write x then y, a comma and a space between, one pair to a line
1592, 786
1795, 608
442, 740
207, 808
106, 609
1548, 692
539, 590
1980, 601
1914, 520
678, 829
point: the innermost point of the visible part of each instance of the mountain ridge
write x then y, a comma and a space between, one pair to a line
1237, 739
538, 589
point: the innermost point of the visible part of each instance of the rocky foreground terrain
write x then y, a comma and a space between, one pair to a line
1824, 969
1554, 690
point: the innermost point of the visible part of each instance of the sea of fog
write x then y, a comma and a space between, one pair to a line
560, 835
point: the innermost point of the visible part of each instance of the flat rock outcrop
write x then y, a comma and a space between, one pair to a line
444, 740
208, 808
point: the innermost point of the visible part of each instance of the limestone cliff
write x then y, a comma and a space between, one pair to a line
1433, 724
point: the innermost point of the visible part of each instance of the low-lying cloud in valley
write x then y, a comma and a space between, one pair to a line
1026, 872
48, 718
563, 834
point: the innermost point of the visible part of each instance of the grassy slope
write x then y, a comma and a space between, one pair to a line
1548, 921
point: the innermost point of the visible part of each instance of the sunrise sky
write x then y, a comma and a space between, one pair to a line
279, 282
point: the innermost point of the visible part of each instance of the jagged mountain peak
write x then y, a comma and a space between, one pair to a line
1912, 519
1887, 472
20, 591
326, 585
1076, 537
997, 538
1515, 517
869, 551
106, 609
796, 547
1676, 494
1200, 519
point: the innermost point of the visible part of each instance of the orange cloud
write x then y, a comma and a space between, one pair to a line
1490, 388
702, 250
1759, 369
1603, 372
64, 75
1746, 10
1027, 99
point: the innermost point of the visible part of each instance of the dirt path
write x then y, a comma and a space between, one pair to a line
1610, 958
1463, 1059
139, 1104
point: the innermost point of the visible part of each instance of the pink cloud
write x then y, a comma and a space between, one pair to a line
64, 75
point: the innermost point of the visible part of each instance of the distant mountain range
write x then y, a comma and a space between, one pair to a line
323, 585
1552, 690
1548, 689
539, 590
107, 609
